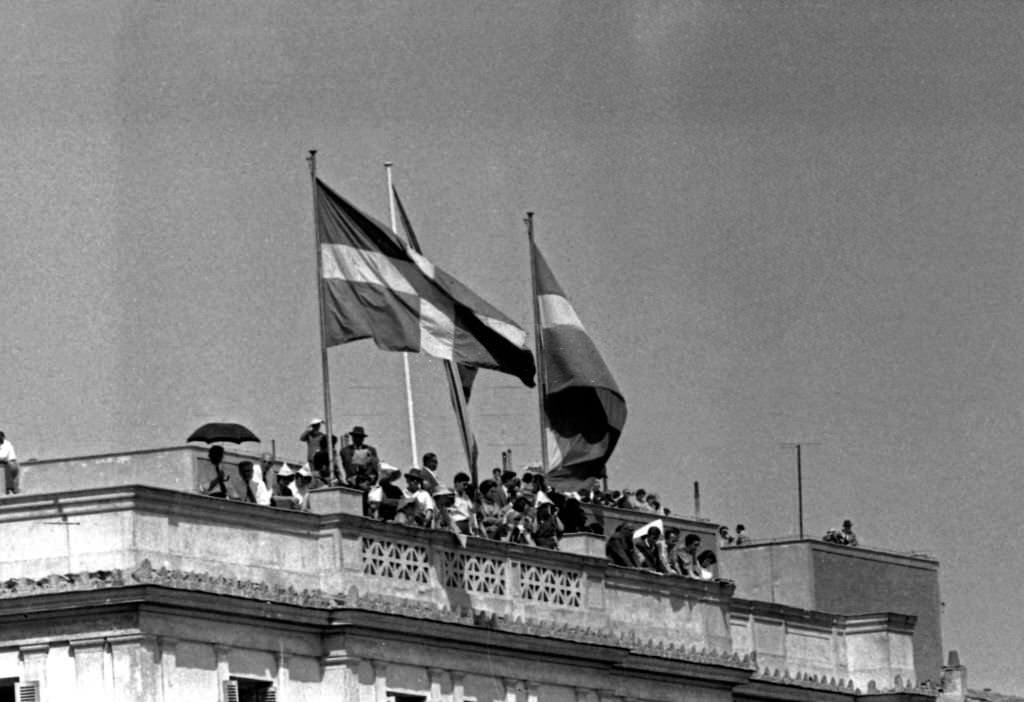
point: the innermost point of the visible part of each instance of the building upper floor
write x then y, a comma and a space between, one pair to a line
126, 512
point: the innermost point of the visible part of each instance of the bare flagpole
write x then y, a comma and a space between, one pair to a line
323, 321
542, 380
405, 355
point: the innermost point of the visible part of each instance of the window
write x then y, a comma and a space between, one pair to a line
27, 692
402, 697
249, 690
13, 691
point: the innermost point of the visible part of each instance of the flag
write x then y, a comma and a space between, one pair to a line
376, 287
457, 374
584, 408
466, 374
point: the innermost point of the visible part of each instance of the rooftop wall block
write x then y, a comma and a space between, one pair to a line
813, 575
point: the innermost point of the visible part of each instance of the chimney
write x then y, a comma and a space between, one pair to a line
953, 683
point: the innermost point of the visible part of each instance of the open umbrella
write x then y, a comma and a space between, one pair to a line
222, 431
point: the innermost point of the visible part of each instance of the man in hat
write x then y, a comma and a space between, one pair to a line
284, 494
420, 508
311, 436
9, 461
303, 484
359, 457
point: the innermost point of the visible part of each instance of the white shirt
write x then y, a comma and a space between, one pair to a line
461, 509
260, 491
7, 452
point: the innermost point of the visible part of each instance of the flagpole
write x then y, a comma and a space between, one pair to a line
405, 355
539, 346
462, 412
323, 323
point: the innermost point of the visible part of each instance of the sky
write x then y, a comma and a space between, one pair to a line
780, 221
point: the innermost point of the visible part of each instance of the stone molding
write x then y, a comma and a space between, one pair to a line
145, 574
841, 686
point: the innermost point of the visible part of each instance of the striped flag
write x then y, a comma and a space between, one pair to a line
376, 287
584, 408
459, 375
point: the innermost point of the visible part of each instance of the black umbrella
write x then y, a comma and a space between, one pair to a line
222, 431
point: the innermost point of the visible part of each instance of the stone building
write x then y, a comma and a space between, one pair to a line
128, 585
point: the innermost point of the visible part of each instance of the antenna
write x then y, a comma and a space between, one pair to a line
800, 480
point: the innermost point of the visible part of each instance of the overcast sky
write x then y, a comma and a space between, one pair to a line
780, 222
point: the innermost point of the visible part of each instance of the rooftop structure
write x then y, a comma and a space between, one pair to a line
126, 584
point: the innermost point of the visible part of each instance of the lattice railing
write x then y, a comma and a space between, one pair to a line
474, 573
392, 559
550, 585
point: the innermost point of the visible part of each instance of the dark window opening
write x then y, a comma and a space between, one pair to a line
249, 690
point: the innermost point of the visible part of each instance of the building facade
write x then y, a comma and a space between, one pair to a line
133, 587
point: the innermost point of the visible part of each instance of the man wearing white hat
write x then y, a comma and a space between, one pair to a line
302, 485
284, 491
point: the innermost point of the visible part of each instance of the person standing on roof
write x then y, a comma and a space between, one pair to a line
311, 436
358, 457
9, 461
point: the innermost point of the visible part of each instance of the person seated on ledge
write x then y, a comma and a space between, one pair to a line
706, 564
686, 563
283, 493
490, 509
303, 484
654, 504
256, 491
547, 527
619, 547
419, 508
669, 548
741, 535
383, 498
647, 550
218, 487
463, 510
849, 538
724, 537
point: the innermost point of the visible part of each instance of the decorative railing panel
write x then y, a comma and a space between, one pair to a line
393, 559
474, 573
550, 585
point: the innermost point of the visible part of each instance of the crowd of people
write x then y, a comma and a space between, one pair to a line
505, 507
661, 549
639, 500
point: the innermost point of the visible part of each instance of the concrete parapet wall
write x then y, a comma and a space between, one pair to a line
117, 528
814, 575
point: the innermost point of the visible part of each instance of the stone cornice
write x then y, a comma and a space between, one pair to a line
146, 575
821, 683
